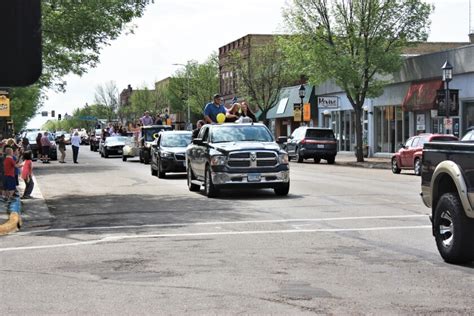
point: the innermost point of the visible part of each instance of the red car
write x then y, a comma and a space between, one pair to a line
409, 156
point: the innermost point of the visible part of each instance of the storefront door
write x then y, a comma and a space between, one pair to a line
391, 128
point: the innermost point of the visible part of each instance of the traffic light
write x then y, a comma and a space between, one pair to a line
53, 113
59, 117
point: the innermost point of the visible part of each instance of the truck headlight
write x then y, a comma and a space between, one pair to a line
166, 154
284, 160
217, 160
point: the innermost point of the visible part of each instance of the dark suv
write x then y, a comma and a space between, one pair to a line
311, 142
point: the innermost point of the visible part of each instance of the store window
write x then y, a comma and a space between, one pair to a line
343, 124
468, 115
391, 128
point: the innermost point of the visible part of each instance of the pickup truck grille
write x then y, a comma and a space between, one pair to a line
252, 159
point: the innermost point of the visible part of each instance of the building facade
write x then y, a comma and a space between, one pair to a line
408, 106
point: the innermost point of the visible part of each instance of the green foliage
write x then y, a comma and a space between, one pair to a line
143, 100
78, 118
24, 104
74, 34
356, 43
261, 75
107, 96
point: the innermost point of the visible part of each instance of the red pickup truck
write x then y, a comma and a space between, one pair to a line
410, 153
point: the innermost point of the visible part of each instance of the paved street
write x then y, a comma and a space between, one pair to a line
119, 241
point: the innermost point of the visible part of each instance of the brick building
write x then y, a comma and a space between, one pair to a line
125, 96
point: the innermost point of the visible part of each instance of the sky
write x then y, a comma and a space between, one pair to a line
174, 31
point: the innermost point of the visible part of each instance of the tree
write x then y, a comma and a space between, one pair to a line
260, 75
354, 42
107, 95
75, 33
25, 102
142, 100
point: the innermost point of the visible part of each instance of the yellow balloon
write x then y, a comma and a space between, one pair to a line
155, 136
220, 118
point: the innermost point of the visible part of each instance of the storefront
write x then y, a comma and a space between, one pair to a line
337, 113
281, 115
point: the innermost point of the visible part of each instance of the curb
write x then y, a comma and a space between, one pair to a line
14, 221
368, 165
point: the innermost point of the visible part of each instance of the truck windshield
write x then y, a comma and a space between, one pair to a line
176, 140
222, 134
150, 134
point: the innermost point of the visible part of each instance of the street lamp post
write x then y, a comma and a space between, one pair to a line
447, 77
188, 123
302, 93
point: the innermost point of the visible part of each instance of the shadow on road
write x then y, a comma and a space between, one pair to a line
70, 168
76, 211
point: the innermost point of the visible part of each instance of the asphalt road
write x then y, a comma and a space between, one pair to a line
119, 241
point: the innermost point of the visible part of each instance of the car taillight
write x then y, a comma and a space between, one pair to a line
303, 141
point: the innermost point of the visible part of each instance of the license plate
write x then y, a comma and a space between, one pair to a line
320, 146
254, 177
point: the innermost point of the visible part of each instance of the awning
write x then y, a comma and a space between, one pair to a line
422, 96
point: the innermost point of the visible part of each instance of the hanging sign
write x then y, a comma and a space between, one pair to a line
307, 112
297, 112
4, 106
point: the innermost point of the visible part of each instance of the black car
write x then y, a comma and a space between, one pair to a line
230, 156
168, 153
147, 138
96, 136
311, 142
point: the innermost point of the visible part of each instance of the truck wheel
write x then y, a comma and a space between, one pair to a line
124, 158
283, 189
453, 230
299, 158
140, 154
331, 160
191, 186
210, 189
317, 160
106, 153
395, 168
417, 167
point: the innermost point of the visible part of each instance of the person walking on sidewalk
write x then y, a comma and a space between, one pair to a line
62, 148
27, 175
75, 144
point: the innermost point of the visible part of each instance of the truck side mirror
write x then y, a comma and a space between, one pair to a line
282, 140
403, 146
197, 141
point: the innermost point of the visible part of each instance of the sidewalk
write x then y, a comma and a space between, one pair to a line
35, 212
350, 160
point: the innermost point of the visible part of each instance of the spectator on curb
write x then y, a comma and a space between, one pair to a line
27, 175
62, 148
45, 145
39, 152
75, 144
9, 174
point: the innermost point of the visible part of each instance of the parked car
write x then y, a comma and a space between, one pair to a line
113, 145
447, 185
236, 155
168, 153
410, 154
95, 138
311, 142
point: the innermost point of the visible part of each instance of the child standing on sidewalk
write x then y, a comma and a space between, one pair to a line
9, 174
27, 175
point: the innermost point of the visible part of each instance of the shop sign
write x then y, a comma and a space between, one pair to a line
328, 102
453, 102
297, 112
4, 106
307, 112
448, 123
420, 122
